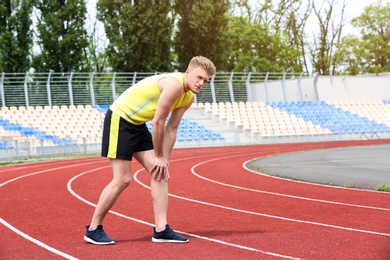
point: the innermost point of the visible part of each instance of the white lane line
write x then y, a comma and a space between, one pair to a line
274, 193
69, 186
267, 215
39, 243
323, 166
39, 172
14, 168
312, 184
38, 164
322, 161
35, 241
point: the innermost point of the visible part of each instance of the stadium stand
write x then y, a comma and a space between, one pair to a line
208, 123
67, 125
340, 119
262, 119
41, 114
56, 126
306, 118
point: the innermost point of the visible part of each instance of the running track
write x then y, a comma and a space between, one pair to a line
227, 211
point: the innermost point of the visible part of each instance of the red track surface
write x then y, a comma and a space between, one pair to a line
227, 211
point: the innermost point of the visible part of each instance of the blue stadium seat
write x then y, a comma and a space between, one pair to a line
328, 116
180, 137
188, 137
191, 130
105, 107
3, 145
204, 136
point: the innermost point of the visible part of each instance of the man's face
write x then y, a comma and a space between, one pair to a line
196, 79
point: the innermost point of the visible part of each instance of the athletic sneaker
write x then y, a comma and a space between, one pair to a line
168, 236
98, 236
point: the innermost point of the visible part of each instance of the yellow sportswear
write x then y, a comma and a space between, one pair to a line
139, 102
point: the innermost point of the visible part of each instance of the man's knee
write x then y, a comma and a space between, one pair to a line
122, 182
126, 181
122, 172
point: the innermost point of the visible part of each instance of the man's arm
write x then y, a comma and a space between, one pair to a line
170, 90
171, 129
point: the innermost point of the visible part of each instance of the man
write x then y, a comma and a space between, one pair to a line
125, 135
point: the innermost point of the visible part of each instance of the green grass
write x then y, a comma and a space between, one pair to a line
351, 185
257, 169
12, 162
49, 158
383, 187
379, 187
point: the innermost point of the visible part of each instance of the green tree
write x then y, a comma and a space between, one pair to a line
62, 37
351, 59
257, 49
202, 30
15, 35
139, 34
15, 45
326, 42
290, 18
251, 42
374, 24
96, 47
260, 44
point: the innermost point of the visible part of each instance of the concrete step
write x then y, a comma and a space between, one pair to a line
232, 134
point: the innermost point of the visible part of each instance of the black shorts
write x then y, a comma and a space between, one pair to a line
121, 139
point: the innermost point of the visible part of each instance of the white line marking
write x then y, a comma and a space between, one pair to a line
274, 193
39, 172
69, 186
313, 165
311, 183
35, 241
7, 168
267, 215
27, 236
201, 202
239, 246
37, 164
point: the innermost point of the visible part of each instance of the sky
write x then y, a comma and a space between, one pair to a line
354, 8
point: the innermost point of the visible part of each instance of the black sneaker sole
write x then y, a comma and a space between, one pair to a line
98, 243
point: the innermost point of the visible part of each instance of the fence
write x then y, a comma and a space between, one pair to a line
41, 89
57, 89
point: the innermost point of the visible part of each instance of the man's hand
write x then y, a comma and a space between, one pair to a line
160, 169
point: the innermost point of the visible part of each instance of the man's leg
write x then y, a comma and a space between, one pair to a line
159, 190
121, 179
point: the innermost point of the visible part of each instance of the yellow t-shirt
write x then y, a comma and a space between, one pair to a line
139, 102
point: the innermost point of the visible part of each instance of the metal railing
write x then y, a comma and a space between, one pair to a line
49, 89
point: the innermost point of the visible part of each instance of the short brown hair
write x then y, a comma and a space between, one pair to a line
203, 62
